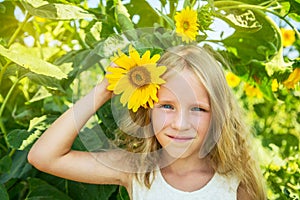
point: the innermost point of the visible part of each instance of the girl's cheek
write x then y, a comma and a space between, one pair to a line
159, 121
201, 124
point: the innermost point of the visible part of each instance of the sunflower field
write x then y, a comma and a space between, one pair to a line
54, 51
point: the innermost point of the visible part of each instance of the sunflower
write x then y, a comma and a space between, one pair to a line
136, 78
186, 24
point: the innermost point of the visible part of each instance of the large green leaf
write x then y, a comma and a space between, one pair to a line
260, 45
20, 139
16, 137
146, 13
5, 164
34, 64
3, 193
8, 22
295, 7
39, 189
19, 168
108, 47
53, 84
123, 194
242, 20
87, 191
93, 139
256, 35
124, 21
55, 11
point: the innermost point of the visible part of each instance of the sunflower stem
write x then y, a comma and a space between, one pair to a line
20, 27
2, 127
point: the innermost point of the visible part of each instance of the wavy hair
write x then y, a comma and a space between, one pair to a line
226, 143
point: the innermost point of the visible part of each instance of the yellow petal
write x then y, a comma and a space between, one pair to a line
155, 58
124, 61
156, 72
150, 103
117, 70
121, 85
134, 55
153, 92
145, 58
127, 94
135, 101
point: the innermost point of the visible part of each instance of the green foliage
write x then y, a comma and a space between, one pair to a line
70, 47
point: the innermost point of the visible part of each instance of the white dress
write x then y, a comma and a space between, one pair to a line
219, 187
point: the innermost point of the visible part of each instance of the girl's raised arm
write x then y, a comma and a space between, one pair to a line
52, 152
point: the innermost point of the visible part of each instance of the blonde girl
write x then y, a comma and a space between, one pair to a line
193, 143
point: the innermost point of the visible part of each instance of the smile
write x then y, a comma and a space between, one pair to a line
177, 138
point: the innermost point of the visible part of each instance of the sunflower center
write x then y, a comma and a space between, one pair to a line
139, 76
186, 25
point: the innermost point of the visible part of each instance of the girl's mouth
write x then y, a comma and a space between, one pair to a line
178, 138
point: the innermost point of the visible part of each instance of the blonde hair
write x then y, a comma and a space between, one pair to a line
226, 142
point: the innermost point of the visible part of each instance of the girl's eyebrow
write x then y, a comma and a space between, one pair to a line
160, 100
203, 105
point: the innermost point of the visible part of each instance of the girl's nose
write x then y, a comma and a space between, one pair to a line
181, 121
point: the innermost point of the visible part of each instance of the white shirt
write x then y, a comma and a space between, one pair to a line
219, 187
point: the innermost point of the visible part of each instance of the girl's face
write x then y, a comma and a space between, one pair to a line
182, 116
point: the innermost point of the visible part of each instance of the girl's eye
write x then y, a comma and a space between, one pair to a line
167, 106
198, 109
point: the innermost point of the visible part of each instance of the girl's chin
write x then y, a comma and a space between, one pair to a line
176, 153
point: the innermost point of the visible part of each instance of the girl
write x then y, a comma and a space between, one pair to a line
190, 145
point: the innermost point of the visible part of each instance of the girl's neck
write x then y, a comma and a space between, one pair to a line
185, 165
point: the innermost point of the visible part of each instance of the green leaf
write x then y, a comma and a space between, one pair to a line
88, 191
5, 165
295, 7
108, 47
36, 121
3, 193
241, 20
260, 45
34, 64
55, 11
93, 139
19, 167
263, 110
108, 123
45, 53
93, 34
146, 13
46, 81
39, 189
42, 93
16, 137
124, 21
8, 22
123, 194
2, 9
30, 140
